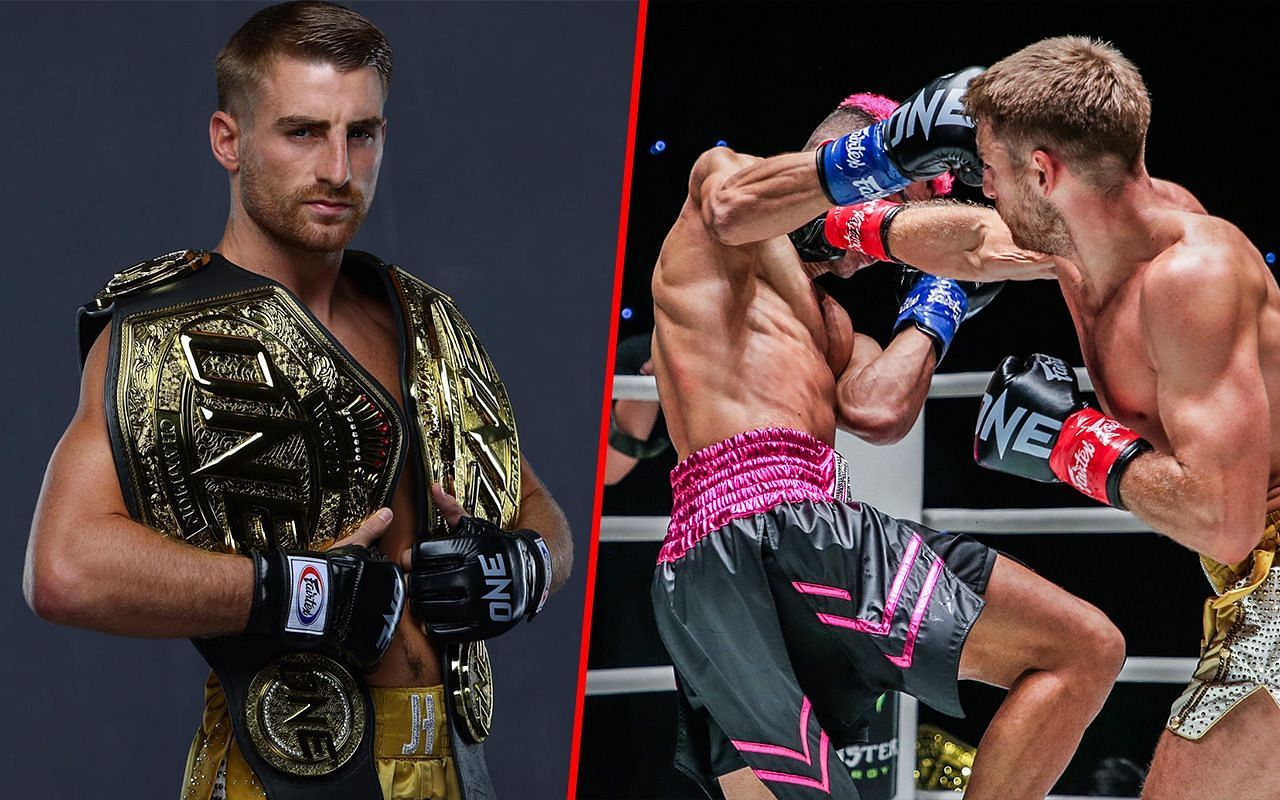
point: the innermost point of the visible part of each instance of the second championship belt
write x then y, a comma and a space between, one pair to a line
468, 443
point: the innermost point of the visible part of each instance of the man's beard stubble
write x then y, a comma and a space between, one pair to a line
282, 215
1035, 224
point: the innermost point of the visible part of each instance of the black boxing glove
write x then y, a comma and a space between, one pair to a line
810, 242
930, 133
343, 602
479, 581
923, 138
1034, 423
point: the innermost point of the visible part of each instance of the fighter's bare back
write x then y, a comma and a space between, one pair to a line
743, 338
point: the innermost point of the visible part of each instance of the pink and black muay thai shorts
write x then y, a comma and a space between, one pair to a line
787, 610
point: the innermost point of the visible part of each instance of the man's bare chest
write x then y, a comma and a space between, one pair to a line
1115, 355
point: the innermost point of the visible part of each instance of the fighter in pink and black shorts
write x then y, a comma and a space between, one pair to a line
788, 608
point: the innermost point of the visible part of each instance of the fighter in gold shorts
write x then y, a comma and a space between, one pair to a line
1179, 324
254, 418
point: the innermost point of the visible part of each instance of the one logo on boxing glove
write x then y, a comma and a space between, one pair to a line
1029, 431
498, 579
309, 610
942, 107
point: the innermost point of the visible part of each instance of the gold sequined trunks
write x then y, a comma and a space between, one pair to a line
1240, 651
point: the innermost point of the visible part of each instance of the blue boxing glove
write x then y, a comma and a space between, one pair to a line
923, 138
936, 306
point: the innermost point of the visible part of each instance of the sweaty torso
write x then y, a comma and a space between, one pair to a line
364, 324
742, 339
1117, 352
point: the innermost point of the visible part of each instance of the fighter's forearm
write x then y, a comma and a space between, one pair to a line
1207, 512
539, 512
768, 198
880, 394
962, 241
120, 577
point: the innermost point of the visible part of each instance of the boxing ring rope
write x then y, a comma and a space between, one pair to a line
638, 680
948, 385
900, 495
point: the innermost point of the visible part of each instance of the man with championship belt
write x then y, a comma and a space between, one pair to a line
786, 606
1179, 324
259, 424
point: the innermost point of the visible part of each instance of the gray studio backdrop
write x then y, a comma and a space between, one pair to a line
500, 185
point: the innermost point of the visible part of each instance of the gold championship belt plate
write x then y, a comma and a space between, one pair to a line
470, 447
305, 714
248, 428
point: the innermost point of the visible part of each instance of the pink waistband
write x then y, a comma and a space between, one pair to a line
744, 475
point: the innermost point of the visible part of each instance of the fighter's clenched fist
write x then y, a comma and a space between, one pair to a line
1034, 423
344, 602
479, 581
923, 138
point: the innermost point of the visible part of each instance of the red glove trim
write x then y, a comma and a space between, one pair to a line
1087, 452
861, 228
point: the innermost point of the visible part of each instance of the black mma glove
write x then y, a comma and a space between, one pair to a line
479, 581
344, 602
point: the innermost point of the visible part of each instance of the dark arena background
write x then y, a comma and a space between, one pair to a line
759, 77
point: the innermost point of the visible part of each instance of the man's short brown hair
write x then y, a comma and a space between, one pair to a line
307, 30
1077, 98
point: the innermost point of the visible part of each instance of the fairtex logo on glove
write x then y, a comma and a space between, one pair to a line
308, 611
855, 149
1079, 469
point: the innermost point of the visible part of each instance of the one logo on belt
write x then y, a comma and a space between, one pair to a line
308, 611
305, 714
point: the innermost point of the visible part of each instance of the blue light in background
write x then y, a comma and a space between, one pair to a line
1271, 258
627, 313
657, 147
721, 143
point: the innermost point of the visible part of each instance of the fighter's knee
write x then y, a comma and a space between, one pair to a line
1097, 644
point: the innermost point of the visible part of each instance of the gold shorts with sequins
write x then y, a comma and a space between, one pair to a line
1240, 649
410, 748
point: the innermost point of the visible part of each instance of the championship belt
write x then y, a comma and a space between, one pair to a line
238, 423
246, 426
467, 435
